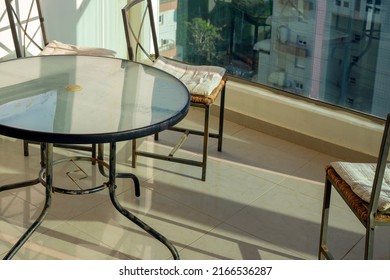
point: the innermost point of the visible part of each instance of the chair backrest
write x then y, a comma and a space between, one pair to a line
27, 26
254, 8
140, 30
380, 169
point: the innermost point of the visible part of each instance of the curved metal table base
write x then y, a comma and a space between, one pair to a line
46, 179
101, 165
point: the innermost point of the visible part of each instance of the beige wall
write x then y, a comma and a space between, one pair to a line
327, 129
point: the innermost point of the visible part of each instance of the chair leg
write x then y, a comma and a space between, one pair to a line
369, 246
205, 141
205, 134
323, 248
221, 119
134, 153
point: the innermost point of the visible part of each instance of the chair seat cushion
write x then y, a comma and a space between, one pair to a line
59, 48
360, 177
201, 81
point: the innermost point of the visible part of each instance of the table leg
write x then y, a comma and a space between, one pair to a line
48, 148
100, 157
127, 214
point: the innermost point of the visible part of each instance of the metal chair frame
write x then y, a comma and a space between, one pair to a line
372, 217
15, 24
133, 53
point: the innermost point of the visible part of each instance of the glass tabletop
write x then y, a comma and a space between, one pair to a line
85, 99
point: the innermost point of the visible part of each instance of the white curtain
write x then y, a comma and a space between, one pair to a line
91, 23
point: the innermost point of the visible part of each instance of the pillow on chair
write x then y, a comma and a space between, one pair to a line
200, 80
360, 177
58, 48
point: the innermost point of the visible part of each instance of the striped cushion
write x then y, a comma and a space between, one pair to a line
360, 177
200, 80
58, 48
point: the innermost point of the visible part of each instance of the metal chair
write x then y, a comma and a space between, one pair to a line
141, 36
29, 36
365, 189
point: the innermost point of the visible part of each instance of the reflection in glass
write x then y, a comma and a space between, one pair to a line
332, 51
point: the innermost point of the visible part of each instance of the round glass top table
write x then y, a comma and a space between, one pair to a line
86, 100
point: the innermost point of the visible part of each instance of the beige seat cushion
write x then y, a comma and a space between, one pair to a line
59, 48
360, 177
200, 80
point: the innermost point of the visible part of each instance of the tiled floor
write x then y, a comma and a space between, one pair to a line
262, 200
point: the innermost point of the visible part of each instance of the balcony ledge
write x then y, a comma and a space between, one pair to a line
334, 131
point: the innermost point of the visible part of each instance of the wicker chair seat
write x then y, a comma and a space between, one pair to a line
357, 204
